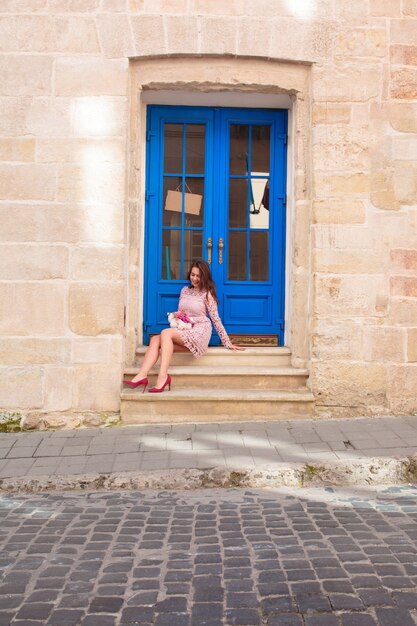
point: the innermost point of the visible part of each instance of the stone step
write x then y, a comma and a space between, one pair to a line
206, 405
267, 357
239, 377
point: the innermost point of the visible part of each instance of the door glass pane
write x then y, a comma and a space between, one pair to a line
173, 140
172, 201
193, 248
239, 142
259, 255
259, 208
237, 255
195, 148
238, 203
194, 201
260, 149
171, 254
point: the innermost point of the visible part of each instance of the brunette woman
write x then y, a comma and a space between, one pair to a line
198, 301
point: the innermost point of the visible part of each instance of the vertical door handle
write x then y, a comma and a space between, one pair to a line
209, 248
221, 246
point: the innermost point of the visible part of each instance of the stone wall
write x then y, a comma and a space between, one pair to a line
365, 218
69, 196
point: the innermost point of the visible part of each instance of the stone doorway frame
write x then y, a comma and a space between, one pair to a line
212, 75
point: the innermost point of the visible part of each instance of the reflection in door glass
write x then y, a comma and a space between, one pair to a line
175, 200
171, 254
238, 203
239, 149
259, 255
237, 255
193, 248
194, 201
173, 140
250, 146
260, 148
259, 207
195, 148
172, 201
183, 197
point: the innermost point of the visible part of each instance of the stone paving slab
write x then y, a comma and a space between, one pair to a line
282, 557
339, 451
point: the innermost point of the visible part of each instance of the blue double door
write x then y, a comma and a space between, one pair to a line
216, 190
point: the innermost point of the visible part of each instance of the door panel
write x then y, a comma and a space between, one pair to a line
216, 188
257, 308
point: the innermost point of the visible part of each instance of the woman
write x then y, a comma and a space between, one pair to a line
198, 301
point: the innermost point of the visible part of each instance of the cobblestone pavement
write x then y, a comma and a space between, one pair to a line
310, 557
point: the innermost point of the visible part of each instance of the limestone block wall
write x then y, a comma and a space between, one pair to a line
63, 133
71, 206
364, 213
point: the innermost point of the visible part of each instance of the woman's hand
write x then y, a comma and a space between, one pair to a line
233, 347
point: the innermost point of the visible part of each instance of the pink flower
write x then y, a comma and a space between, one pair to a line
180, 315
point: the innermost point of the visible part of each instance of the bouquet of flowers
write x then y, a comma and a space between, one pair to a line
180, 320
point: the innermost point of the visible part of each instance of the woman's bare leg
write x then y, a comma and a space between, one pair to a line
152, 355
170, 339
150, 358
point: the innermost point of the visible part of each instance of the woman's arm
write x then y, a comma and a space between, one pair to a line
217, 323
179, 299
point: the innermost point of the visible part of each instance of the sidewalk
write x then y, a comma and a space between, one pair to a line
356, 451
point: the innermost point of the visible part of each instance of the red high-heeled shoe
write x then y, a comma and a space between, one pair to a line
160, 389
138, 383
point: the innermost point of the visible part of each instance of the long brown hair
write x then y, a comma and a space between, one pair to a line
206, 279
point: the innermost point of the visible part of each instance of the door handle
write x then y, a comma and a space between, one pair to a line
221, 246
209, 248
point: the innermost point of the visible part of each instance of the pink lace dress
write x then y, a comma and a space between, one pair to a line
195, 304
